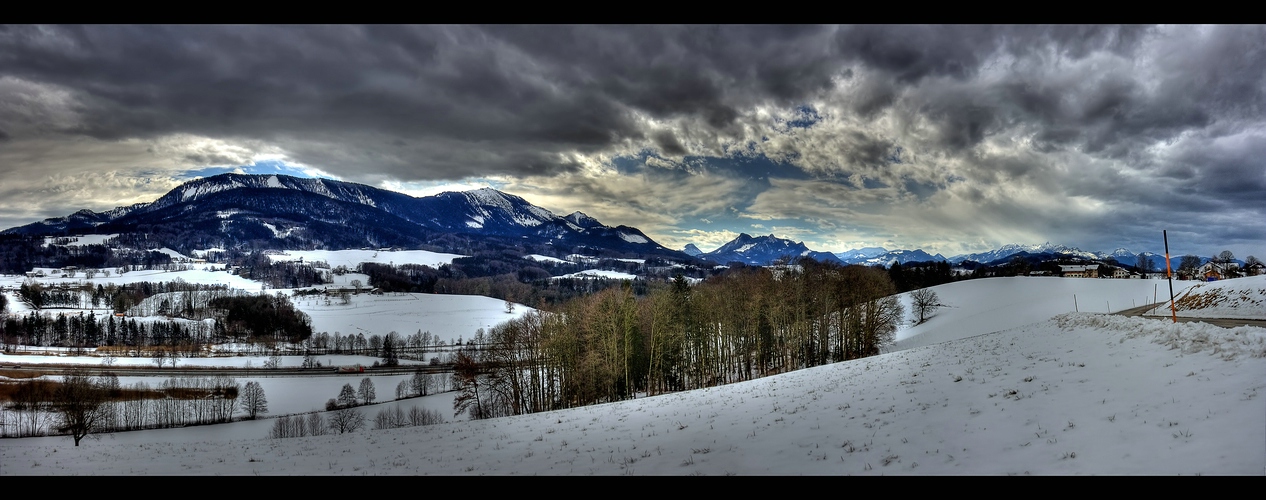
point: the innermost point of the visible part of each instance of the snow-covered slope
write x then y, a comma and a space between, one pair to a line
980, 306
1075, 394
1079, 394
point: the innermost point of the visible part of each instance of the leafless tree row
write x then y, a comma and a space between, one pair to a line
611, 345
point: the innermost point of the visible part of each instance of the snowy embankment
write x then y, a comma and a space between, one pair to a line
1076, 394
1239, 298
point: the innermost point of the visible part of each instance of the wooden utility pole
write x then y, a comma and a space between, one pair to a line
1169, 274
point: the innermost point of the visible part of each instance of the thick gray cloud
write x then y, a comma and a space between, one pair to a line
952, 137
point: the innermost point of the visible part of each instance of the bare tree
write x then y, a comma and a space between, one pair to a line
925, 302
420, 383
1188, 265
346, 420
78, 401
390, 418
366, 392
419, 416
288, 427
316, 424
252, 400
347, 396
1145, 263
466, 371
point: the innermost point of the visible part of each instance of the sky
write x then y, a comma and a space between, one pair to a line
952, 139
1004, 380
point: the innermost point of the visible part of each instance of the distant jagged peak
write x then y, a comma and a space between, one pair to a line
582, 220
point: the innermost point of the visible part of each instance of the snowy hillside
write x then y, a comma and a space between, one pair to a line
976, 307
1011, 386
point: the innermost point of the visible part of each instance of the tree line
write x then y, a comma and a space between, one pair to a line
612, 345
238, 318
81, 404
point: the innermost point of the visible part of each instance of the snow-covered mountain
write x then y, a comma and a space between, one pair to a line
1012, 249
692, 250
873, 256
292, 212
763, 251
887, 259
861, 253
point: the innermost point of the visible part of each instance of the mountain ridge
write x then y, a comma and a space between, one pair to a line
299, 213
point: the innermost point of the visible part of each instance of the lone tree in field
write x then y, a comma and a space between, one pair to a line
253, 401
78, 401
925, 302
346, 420
347, 396
366, 391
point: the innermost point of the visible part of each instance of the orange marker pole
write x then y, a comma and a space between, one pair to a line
1169, 274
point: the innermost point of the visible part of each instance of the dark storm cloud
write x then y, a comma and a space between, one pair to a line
959, 121
551, 89
439, 84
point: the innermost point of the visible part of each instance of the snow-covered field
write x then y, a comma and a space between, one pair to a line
209, 275
448, 317
545, 258
598, 273
975, 307
353, 258
1007, 380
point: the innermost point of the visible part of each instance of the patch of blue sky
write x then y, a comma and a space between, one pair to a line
806, 117
895, 157
921, 189
868, 183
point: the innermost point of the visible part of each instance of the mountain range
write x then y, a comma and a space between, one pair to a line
764, 250
308, 213
284, 212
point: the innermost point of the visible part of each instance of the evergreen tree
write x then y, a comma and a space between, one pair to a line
389, 345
